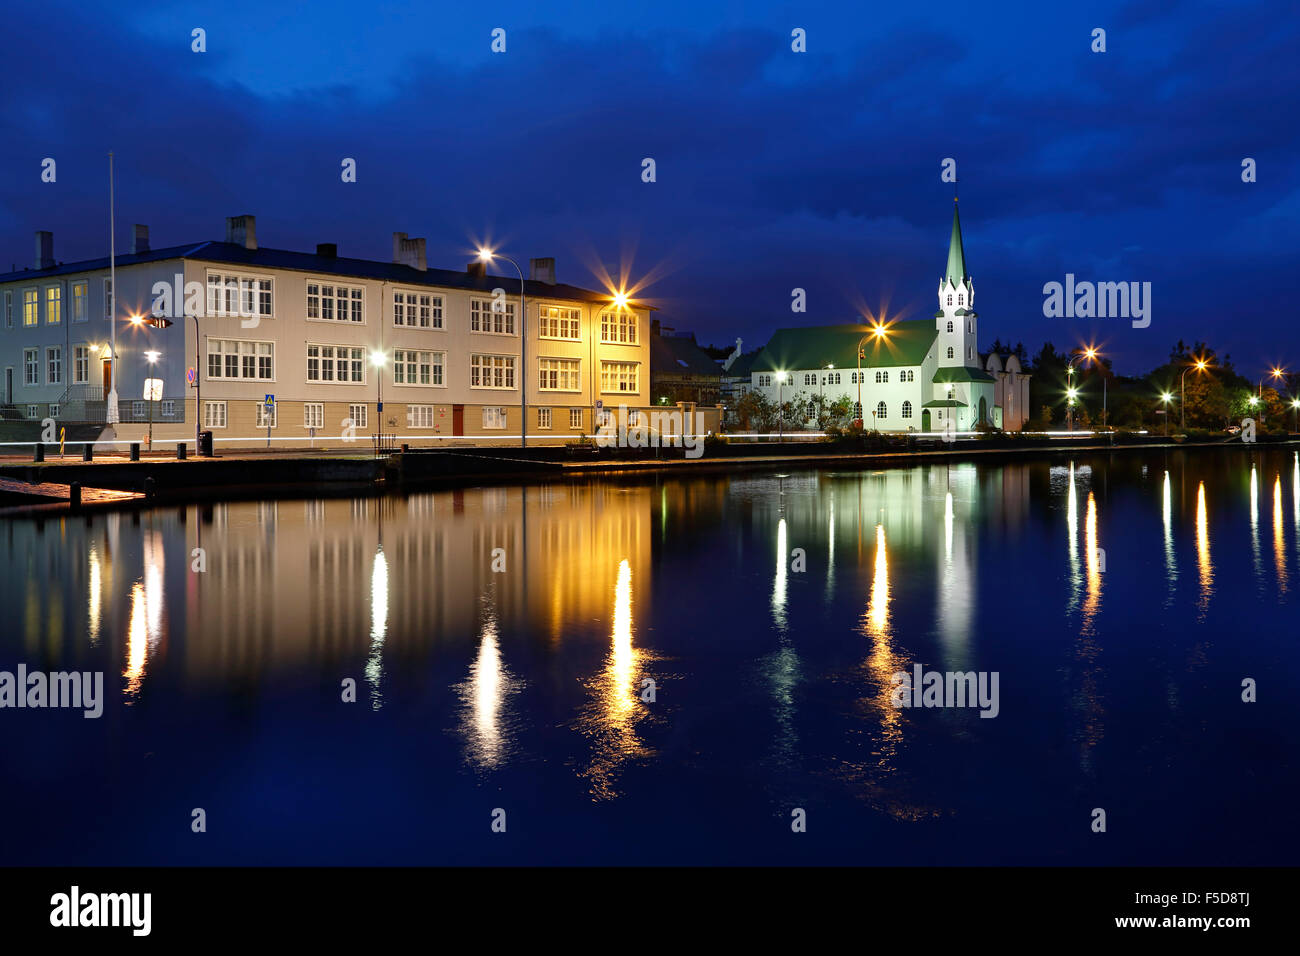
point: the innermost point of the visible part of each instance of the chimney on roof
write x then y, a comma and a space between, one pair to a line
409, 252
44, 250
242, 231
654, 326
542, 270
139, 239
477, 268
327, 250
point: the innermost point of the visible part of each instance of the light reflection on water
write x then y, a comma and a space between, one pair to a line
606, 584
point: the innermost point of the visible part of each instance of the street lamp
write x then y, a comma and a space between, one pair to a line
780, 424
1276, 373
152, 358
487, 255
1089, 354
1200, 365
1166, 398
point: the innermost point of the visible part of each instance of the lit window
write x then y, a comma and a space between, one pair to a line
53, 305
555, 322
618, 328
618, 376
558, 375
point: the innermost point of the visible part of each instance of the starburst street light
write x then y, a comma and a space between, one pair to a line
487, 255
1166, 398
878, 332
1200, 365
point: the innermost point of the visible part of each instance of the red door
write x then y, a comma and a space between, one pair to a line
458, 419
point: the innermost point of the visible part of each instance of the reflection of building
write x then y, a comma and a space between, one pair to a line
921, 375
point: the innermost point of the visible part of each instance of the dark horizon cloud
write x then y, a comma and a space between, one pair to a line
775, 170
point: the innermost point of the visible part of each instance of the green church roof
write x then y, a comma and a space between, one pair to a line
813, 347
956, 273
961, 373
944, 403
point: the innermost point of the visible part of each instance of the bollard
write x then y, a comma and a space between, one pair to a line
39, 453
149, 488
180, 451
88, 452
74, 495
135, 451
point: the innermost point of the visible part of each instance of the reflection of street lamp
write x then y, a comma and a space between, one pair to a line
780, 425
153, 358
1200, 365
487, 255
1165, 397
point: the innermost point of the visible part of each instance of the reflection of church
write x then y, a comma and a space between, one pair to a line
917, 375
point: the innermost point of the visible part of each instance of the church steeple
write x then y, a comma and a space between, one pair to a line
956, 274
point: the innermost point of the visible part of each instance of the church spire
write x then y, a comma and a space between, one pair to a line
956, 274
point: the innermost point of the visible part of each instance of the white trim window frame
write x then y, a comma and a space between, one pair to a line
54, 365
485, 319
560, 322
80, 304
494, 417
575, 419
313, 415
544, 419
264, 420
419, 416
54, 304
558, 374
624, 376
335, 364
618, 327
81, 365
487, 370
241, 363
419, 309
31, 307
240, 295
359, 413
420, 367
31, 367
330, 301
215, 414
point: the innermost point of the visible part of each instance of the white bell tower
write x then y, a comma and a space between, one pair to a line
956, 319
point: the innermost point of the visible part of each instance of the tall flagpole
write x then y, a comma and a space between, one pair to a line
111, 415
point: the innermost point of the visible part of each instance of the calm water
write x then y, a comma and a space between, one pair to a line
1121, 601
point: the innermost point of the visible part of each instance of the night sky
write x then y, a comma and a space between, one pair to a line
775, 169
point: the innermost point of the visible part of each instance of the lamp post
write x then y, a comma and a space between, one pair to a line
1165, 398
1276, 373
487, 255
1295, 416
780, 424
378, 359
152, 358
1089, 354
1200, 365
878, 333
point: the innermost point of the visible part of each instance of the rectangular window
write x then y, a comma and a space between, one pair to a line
167, 409
241, 359
214, 414
54, 409
31, 367
417, 310
80, 301
108, 298
313, 415
335, 303
418, 368
419, 416
9, 309
232, 295
555, 322
336, 364
618, 328
31, 411
575, 418
618, 376
483, 317
31, 306
54, 366
494, 417
543, 418
138, 410
266, 416
80, 364
359, 415
558, 375
53, 305
491, 371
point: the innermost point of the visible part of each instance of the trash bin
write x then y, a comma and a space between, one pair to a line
205, 444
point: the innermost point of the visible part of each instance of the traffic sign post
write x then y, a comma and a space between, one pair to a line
269, 404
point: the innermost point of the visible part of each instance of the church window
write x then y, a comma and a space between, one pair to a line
950, 300
880, 410
907, 409
885, 379
950, 351
950, 325
857, 410
959, 300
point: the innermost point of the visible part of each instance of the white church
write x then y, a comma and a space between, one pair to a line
919, 375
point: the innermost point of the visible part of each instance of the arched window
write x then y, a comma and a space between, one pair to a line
837, 378
812, 409
907, 409
886, 378
950, 351
950, 325
959, 299
857, 410
950, 300
880, 410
